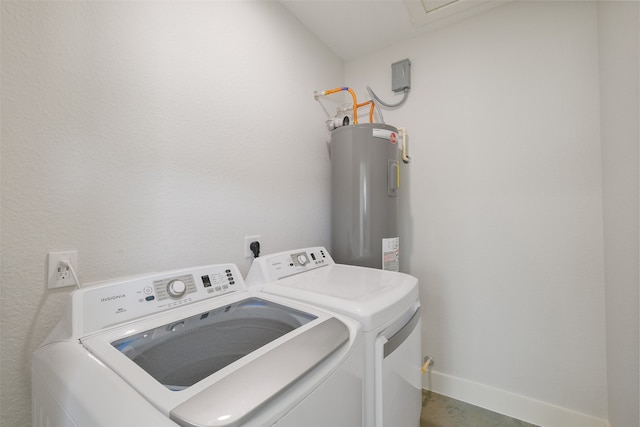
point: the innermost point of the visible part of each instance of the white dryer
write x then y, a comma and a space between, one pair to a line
196, 348
387, 306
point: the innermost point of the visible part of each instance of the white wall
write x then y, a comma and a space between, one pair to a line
503, 207
618, 26
150, 136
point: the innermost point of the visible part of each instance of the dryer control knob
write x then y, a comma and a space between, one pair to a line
302, 259
176, 288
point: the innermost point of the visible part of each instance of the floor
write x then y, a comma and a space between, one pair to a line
442, 411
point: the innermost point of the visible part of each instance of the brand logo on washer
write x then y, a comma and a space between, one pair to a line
113, 297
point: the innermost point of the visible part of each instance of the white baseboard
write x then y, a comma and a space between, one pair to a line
506, 403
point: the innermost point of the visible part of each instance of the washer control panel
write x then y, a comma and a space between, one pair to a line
174, 287
115, 302
284, 264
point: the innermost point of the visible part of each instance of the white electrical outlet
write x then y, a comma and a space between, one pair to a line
247, 242
58, 274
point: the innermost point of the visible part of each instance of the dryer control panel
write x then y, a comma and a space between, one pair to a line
284, 264
97, 306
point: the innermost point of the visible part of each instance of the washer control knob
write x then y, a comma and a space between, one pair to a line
176, 288
302, 259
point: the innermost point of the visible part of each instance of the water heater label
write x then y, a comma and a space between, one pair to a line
391, 254
385, 134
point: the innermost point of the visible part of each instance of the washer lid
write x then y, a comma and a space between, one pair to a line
321, 341
369, 295
182, 352
239, 394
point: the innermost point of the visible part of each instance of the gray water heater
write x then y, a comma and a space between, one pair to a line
365, 184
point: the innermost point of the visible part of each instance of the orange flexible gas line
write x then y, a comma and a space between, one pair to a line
353, 95
330, 91
355, 105
370, 110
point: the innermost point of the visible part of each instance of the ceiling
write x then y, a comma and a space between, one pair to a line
353, 28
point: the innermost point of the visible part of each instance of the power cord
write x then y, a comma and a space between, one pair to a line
66, 263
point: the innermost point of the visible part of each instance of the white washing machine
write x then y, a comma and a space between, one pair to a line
387, 306
196, 348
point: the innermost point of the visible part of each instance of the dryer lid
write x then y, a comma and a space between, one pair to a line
373, 297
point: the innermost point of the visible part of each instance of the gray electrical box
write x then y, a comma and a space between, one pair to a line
401, 75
